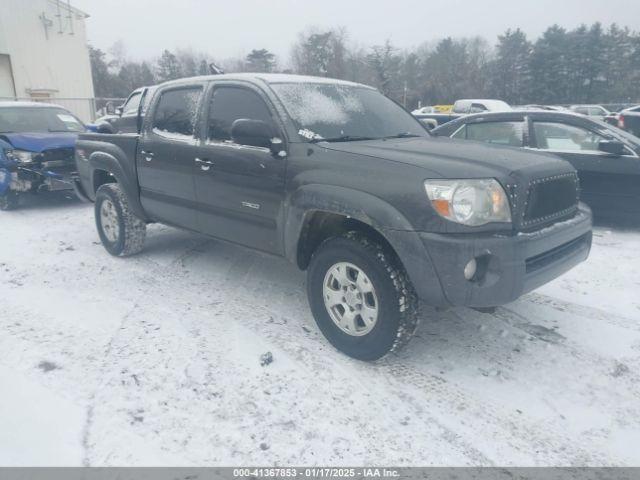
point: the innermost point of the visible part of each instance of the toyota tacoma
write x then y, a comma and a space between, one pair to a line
345, 184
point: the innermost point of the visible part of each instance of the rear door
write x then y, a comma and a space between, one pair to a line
165, 156
610, 184
239, 188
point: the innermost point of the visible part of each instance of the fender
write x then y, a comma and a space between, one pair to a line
372, 211
111, 158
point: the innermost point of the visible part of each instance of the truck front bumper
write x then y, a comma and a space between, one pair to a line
506, 266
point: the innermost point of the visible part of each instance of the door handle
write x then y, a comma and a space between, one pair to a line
148, 156
204, 164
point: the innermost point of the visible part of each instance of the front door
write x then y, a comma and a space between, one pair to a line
239, 188
165, 157
610, 184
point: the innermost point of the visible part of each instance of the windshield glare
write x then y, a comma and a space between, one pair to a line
333, 111
38, 120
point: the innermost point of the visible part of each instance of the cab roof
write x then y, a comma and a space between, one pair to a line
269, 78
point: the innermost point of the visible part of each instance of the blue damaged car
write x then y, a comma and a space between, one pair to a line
37, 142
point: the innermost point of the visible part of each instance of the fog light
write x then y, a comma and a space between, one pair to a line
470, 269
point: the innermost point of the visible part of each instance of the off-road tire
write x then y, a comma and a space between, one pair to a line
9, 201
398, 303
132, 230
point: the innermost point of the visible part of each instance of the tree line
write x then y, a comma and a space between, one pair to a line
589, 64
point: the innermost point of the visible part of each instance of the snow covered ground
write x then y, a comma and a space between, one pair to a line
155, 360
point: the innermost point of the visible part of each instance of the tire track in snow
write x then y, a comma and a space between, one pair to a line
577, 309
548, 441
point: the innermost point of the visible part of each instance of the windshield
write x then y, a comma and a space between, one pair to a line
341, 112
38, 120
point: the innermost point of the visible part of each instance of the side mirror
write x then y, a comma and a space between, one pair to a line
91, 127
119, 111
104, 127
611, 146
252, 132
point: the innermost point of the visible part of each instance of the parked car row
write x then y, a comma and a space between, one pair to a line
607, 159
627, 120
460, 109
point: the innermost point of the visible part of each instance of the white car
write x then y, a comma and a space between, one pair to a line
480, 105
425, 110
596, 111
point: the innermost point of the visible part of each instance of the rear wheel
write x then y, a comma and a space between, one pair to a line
9, 200
121, 232
361, 297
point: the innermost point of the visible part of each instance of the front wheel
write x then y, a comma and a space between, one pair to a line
361, 297
121, 232
8, 200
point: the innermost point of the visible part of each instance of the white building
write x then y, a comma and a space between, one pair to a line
44, 54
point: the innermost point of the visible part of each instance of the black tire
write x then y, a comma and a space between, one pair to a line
397, 301
131, 231
9, 201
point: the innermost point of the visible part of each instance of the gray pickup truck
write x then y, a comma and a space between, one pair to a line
345, 184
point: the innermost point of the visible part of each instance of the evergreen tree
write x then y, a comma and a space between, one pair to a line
261, 61
511, 74
321, 53
384, 62
549, 67
203, 68
168, 67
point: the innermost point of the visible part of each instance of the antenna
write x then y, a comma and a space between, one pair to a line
215, 70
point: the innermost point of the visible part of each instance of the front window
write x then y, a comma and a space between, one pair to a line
38, 120
565, 138
229, 104
342, 112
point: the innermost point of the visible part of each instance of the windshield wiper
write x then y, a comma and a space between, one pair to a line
344, 138
402, 135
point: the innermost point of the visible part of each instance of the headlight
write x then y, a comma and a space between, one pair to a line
469, 202
20, 156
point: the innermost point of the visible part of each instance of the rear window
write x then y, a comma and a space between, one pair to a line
131, 107
500, 133
175, 114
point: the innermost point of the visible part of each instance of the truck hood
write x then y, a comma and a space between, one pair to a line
455, 158
39, 142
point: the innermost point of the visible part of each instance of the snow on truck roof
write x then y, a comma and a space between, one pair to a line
28, 104
271, 78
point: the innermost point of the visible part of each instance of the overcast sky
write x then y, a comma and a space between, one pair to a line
233, 27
